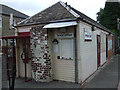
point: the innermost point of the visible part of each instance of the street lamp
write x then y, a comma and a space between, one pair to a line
118, 22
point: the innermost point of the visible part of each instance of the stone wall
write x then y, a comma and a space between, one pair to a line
41, 62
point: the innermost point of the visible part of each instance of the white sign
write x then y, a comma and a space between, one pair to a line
109, 44
55, 48
64, 35
24, 29
88, 34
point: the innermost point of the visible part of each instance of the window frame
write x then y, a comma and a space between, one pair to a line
71, 57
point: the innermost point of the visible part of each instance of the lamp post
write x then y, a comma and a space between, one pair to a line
118, 22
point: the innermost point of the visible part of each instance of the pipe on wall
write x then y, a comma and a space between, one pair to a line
76, 59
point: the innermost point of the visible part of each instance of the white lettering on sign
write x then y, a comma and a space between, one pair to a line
88, 34
64, 35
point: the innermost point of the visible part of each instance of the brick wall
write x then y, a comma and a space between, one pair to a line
41, 63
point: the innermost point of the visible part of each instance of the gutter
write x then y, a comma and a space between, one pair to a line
76, 59
47, 22
14, 16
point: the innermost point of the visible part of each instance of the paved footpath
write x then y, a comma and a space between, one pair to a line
0, 71
107, 77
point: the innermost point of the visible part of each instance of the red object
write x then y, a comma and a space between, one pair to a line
25, 62
15, 37
21, 35
26, 80
7, 60
24, 34
98, 50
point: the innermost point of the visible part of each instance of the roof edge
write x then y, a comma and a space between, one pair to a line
69, 9
55, 21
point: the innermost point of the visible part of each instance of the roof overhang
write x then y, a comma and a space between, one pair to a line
60, 24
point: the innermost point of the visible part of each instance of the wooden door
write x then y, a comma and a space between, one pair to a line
98, 50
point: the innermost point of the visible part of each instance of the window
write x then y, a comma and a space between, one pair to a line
0, 42
11, 42
14, 22
66, 49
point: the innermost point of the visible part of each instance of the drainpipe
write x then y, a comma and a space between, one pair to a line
25, 61
76, 59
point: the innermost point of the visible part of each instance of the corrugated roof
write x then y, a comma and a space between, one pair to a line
57, 12
8, 10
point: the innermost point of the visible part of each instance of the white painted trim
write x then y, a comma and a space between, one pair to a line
24, 29
60, 24
69, 9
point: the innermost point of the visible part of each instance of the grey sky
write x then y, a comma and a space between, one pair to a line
31, 7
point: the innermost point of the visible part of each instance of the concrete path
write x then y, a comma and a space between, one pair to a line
54, 84
107, 77
0, 71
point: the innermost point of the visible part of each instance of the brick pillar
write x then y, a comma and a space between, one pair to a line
41, 62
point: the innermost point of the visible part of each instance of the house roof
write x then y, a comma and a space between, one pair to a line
5, 10
55, 12
59, 12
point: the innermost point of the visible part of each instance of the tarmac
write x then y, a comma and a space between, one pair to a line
106, 77
0, 72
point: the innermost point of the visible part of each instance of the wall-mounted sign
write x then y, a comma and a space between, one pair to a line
109, 44
88, 34
64, 35
56, 48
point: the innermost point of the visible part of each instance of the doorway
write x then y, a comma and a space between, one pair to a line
98, 50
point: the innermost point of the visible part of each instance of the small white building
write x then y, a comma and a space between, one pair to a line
61, 43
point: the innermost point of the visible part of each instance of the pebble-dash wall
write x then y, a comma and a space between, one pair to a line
41, 62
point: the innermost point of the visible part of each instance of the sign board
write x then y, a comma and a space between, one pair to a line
88, 34
64, 35
55, 48
109, 44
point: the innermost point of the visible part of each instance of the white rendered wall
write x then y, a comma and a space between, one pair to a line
88, 53
103, 48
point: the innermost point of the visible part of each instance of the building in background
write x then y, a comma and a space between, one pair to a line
60, 43
5, 20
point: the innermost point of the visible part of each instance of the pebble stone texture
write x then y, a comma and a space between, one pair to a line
41, 62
